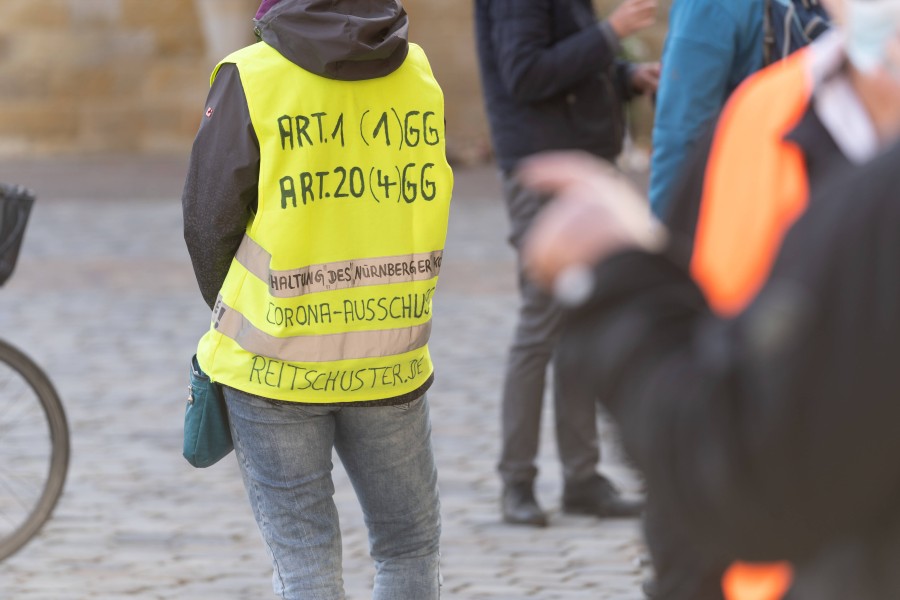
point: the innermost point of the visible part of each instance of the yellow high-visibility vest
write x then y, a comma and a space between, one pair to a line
329, 297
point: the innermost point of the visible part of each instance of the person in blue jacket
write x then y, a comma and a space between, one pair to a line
711, 47
553, 80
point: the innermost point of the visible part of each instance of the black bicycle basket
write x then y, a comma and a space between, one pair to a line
15, 206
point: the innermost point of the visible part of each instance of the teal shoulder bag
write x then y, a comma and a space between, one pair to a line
207, 433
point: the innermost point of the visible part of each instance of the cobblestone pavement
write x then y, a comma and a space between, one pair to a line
104, 299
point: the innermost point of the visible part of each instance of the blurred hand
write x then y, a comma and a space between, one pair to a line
645, 78
631, 16
596, 213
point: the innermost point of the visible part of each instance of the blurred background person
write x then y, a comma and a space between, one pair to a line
710, 48
552, 79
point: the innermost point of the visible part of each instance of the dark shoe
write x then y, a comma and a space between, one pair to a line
597, 496
520, 507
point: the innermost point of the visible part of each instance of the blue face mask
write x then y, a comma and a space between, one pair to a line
871, 24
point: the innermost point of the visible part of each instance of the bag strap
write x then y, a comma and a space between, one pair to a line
768, 33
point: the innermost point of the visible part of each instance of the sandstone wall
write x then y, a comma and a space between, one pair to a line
94, 76
109, 76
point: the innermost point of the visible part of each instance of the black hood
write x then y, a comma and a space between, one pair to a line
339, 39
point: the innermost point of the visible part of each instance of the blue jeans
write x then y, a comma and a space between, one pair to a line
284, 452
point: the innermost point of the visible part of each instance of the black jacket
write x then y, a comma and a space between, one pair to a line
773, 435
551, 78
680, 574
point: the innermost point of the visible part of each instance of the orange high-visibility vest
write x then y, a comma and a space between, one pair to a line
744, 581
756, 187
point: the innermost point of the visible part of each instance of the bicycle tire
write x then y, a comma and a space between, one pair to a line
37, 512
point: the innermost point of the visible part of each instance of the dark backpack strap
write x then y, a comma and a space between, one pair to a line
768, 34
790, 25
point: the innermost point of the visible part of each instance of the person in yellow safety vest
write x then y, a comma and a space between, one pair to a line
315, 210
786, 132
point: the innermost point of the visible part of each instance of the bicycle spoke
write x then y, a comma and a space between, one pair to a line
8, 424
14, 494
20, 493
17, 406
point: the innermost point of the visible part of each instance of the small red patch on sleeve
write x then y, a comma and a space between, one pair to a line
209, 112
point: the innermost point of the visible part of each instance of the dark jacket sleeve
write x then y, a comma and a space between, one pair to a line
773, 433
533, 65
222, 181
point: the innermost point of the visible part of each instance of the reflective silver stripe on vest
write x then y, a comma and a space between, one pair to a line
338, 275
319, 348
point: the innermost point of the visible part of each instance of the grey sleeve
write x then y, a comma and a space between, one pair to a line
220, 192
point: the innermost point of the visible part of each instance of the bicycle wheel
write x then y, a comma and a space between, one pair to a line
34, 449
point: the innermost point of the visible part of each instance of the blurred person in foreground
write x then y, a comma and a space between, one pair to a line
769, 435
783, 136
320, 266
552, 80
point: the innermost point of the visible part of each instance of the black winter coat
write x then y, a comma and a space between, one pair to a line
773, 435
551, 78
